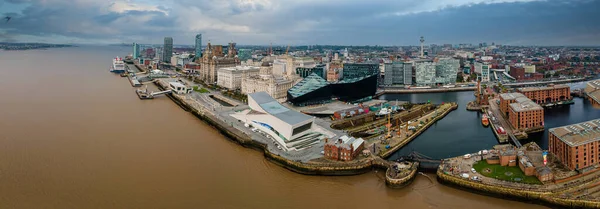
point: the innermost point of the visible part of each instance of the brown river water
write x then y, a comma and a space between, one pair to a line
72, 135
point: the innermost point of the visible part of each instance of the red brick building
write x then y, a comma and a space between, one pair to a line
549, 94
506, 99
344, 149
524, 114
592, 90
577, 146
517, 72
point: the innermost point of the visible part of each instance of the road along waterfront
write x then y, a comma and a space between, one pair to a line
75, 136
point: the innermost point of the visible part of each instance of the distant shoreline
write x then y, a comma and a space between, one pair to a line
31, 46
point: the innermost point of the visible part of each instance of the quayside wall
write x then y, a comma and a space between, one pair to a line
391, 151
539, 197
327, 169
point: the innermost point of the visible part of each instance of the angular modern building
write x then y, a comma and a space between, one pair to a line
306, 71
292, 130
398, 73
314, 90
446, 70
136, 50
198, 46
577, 146
167, 50
425, 73
359, 70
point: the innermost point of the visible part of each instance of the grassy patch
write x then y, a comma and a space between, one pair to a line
505, 173
201, 90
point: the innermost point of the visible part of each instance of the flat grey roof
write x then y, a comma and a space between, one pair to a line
177, 84
511, 96
560, 86
578, 134
525, 104
266, 102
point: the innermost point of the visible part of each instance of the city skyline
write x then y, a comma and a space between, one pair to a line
261, 22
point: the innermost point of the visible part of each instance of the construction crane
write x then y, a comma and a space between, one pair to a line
398, 124
389, 127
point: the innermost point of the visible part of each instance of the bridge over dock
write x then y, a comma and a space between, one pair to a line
425, 162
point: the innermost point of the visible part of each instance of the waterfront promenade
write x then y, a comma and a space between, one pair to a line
310, 162
580, 191
307, 161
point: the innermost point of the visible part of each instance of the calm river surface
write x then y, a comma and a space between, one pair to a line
72, 135
461, 132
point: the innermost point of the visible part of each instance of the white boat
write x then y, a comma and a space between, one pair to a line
118, 66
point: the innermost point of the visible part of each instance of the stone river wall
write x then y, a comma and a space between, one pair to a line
329, 169
539, 197
391, 151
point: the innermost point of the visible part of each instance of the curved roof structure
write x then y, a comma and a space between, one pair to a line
310, 83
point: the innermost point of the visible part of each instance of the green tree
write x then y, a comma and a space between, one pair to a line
473, 77
459, 78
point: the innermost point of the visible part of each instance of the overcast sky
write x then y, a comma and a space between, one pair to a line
298, 22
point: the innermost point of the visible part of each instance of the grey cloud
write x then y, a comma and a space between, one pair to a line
320, 22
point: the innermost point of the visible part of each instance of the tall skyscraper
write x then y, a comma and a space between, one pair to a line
136, 50
198, 46
167, 50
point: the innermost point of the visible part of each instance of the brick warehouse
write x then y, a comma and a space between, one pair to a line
546, 95
576, 146
525, 114
506, 99
592, 90
344, 149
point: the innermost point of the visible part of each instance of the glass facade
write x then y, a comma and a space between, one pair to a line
305, 71
398, 73
136, 50
440, 73
167, 50
446, 71
198, 52
425, 73
359, 70
316, 90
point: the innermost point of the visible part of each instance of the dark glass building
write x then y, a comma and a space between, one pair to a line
305, 71
359, 70
314, 90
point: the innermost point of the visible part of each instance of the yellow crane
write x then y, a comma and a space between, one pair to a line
389, 126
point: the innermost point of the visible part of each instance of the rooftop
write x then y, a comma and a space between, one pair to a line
578, 134
310, 83
239, 68
511, 96
550, 87
595, 84
345, 142
523, 104
593, 90
277, 110
176, 84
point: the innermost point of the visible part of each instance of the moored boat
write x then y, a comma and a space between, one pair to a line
118, 66
485, 120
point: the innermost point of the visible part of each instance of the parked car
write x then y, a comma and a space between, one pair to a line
473, 170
